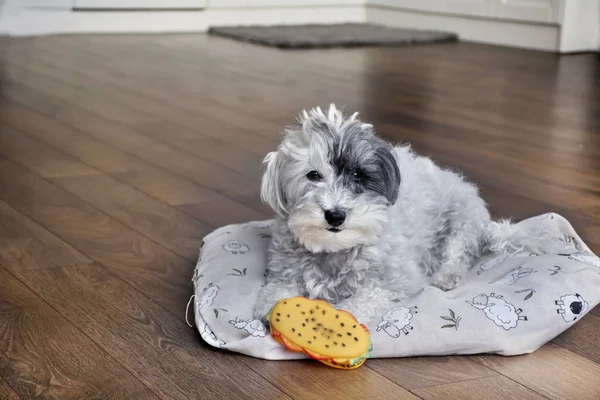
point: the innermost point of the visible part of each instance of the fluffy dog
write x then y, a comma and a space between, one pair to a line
362, 224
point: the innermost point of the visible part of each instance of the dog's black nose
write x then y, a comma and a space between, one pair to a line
335, 217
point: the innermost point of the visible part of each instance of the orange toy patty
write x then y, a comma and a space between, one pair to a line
315, 328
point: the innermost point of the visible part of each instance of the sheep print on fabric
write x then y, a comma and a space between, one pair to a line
509, 305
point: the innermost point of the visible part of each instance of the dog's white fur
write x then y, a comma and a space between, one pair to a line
409, 223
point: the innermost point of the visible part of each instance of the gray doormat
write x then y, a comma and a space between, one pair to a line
339, 35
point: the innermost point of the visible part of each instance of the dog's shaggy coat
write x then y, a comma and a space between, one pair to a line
363, 224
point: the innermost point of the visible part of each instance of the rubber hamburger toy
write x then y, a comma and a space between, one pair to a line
314, 327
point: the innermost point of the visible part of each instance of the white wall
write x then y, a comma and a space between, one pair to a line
64, 4
504, 33
28, 21
554, 25
543, 11
138, 4
581, 26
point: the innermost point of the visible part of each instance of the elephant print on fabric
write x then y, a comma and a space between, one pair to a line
207, 297
498, 310
254, 327
236, 247
571, 306
397, 321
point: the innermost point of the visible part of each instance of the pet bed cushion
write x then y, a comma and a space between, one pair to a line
509, 305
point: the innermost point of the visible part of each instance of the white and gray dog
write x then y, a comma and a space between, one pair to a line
362, 224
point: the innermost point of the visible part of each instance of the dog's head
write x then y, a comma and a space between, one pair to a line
332, 180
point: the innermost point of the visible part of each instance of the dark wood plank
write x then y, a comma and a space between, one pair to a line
175, 122
45, 161
539, 371
256, 203
419, 372
194, 76
212, 149
147, 266
530, 96
209, 148
159, 183
223, 153
222, 178
583, 337
489, 388
45, 356
158, 221
71, 141
168, 187
26, 245
6, 392
223, 212
393, 69
158, 348
186, 50
164, 185
327, 383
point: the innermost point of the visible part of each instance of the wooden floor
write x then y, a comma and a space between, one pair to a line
119, 153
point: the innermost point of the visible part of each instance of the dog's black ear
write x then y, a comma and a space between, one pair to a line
390, 172
271, 190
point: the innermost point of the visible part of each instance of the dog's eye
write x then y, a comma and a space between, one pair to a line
358, 174
313, 176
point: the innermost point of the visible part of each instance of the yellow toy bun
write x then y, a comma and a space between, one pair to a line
314, 327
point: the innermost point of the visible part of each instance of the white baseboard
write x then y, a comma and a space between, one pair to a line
507, 33
34, 22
